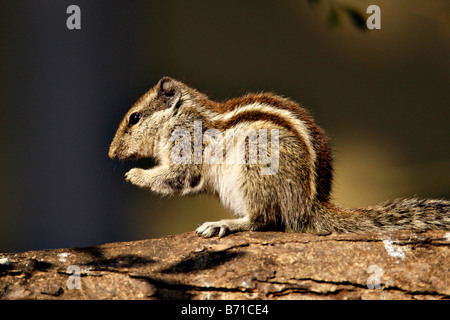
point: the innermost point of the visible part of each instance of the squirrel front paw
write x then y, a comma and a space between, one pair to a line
136, 176
153, 179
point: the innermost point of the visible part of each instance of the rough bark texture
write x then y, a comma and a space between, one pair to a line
247, 265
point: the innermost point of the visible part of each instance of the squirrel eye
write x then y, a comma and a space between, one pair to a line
169, 94
134, 118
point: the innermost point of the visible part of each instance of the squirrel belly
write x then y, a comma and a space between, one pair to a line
263, 155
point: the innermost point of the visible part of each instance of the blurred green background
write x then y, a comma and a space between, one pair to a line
381, 95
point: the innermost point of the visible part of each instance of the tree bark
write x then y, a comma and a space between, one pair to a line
246, 265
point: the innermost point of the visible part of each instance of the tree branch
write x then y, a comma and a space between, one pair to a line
247, 265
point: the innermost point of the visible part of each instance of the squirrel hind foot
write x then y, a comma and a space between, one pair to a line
223, 227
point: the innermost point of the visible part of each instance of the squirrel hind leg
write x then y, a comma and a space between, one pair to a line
224, 227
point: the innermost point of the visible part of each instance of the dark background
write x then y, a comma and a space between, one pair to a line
381, 95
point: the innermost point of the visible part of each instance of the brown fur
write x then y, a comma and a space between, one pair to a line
324, 165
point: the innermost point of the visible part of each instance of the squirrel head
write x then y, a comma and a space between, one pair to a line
141, 126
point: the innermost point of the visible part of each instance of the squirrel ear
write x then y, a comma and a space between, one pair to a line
169, 92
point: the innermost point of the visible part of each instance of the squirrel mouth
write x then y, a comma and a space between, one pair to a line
133, 157
145, 163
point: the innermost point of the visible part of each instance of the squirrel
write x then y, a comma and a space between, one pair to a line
293, 194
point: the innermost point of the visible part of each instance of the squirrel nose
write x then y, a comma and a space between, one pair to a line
112, 152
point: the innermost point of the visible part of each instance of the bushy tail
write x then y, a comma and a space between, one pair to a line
399, 214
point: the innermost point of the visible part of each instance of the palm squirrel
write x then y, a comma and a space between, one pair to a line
281, 183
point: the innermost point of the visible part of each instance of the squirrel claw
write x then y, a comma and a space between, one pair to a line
209, 229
